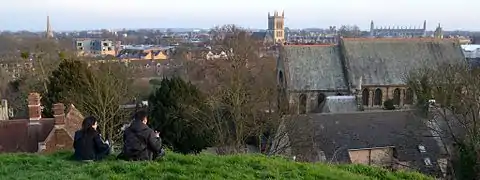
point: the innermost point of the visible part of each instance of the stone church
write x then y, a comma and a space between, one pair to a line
357, 73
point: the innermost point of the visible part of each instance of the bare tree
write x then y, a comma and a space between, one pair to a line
242, 93
449, 97
107, 88
349, 31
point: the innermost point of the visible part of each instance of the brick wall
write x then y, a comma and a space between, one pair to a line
58, 141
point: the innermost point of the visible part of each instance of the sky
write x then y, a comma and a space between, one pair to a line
113, 14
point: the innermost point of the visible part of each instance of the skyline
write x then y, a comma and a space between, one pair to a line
111, 14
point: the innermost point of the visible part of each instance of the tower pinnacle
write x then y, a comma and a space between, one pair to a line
49, 32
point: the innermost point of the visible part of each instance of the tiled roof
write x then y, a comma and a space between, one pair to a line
19, 136
14, 135
74, 119
313, 67
384, 61
335, 134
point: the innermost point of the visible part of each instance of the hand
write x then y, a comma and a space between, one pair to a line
157, 134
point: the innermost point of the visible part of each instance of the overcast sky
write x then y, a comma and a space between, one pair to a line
97, 14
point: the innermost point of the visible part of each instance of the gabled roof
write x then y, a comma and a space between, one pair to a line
335, 134
313, 67
386, 61
259, 35
19, 136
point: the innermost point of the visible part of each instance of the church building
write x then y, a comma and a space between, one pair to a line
357, 73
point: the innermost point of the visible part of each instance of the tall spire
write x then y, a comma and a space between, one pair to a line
49, 32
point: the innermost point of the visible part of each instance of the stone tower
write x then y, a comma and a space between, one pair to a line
438, 32
49, 32
276, 26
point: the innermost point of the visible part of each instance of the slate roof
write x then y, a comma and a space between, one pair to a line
334, 134
259, 35
386, 61
19, 136
313, 67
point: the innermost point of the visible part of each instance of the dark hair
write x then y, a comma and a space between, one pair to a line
87, 124
140, 115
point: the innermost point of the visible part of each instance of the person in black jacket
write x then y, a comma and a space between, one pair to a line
88, 143
141, 143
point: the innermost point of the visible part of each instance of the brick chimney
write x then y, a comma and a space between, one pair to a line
34, 107
59, 113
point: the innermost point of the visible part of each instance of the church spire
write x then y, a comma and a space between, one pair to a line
49, 32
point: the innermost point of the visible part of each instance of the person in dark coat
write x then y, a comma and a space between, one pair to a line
141, 143
88, 143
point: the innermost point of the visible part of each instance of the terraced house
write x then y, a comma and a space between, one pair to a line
368, 70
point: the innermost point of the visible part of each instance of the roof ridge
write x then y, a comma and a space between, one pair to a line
427, 39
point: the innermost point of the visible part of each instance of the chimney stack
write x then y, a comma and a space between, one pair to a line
59, 113
34, 107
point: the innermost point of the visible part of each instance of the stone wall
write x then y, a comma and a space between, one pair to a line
4, 110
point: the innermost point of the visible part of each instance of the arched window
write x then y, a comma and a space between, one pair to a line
396, 96
280, 78
377, 101
303, 104
321, 98
408, 96
365, 96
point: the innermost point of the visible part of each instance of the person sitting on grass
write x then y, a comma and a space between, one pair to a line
88, 143
141, 143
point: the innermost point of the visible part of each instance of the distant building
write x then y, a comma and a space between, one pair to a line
95, 47
145, 52
276, 29
398, 31
276, 26
472, 54
438, 32
49, 31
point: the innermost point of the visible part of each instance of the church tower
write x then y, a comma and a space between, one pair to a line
276, 26
49, 32
372, 29
438, 32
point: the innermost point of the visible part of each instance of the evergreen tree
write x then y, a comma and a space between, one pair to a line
67, 77
177, 110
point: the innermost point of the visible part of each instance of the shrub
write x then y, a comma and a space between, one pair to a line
388, 104
178, 112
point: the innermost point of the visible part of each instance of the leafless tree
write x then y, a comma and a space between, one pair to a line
107, 88
242, 92
454, 115
349, 31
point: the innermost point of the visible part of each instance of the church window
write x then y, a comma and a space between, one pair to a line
303, 104
409, 96
377, 100
281, 78
396, 96
365, 96
321, 99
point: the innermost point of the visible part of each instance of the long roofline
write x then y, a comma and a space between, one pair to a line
399, 39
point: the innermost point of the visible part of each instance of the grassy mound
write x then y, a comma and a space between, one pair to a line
188, 167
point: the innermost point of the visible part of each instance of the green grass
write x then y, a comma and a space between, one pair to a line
188, 167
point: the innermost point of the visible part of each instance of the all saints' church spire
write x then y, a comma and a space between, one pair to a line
49, 32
